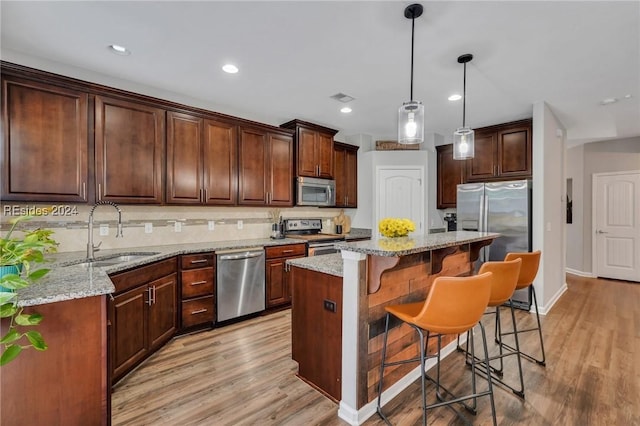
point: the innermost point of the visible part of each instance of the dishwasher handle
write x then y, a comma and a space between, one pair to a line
247, 255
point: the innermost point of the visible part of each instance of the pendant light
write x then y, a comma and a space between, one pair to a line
411, 114
463, 138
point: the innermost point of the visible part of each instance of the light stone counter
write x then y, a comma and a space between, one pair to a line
327, 263
68, 280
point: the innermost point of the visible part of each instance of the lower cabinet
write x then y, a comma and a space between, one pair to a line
143, 314
278, 288
197, 277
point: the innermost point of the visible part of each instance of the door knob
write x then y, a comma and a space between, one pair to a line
601, 232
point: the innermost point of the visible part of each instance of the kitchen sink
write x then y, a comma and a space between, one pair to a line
114, 260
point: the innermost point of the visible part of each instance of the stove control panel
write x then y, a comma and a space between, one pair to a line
302, 225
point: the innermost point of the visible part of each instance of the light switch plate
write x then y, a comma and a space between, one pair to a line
177, 226
240, 224
148, 228
212, 225
104, 230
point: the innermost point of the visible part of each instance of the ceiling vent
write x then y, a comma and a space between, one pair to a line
341, 97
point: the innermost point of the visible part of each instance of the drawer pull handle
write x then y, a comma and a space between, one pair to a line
200, 261
199, 311
287, 251
198, 283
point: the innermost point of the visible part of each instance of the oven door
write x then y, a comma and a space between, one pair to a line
317, 249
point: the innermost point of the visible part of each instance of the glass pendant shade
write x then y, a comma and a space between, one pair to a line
411, 123
463, 146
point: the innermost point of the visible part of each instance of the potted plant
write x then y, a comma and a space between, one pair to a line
18, 259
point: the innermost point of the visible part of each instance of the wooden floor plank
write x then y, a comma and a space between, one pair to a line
243, 374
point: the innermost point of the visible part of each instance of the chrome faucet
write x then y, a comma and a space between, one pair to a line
91, 249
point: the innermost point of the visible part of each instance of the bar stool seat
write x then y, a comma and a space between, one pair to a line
453, 305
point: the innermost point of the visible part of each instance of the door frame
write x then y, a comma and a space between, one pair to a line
376, 201
594, 221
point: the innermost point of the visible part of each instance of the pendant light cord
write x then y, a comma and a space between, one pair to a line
464, 95
413, 22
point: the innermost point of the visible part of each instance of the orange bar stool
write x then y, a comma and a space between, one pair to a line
454, 305
528, 272
503, 284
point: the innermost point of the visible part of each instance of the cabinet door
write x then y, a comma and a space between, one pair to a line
306, 152
351, 177
324, 155
129, 330
220, 157
163, 312
129, 150
253, 168
184, 164
275, 281
280, 168
450, 175
339, 161
44, 152
514, 152
483, 165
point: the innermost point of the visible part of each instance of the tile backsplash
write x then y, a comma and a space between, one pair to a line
70, 223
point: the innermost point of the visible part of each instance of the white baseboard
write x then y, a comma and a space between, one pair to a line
358, 417
554, 299
579, 273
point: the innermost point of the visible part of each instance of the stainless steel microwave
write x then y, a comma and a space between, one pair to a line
316, 192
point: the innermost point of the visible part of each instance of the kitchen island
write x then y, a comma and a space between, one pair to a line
338, 311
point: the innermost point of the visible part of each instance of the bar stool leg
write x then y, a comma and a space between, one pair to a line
486, 363
424, 373
520, 393
535, 301
382, 364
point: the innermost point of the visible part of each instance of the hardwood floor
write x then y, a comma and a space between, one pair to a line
243, 374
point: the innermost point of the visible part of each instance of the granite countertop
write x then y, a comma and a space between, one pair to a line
68, 279
356, 233
403, 246
327, 263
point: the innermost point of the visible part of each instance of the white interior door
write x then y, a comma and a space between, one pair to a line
616, 225
401, 194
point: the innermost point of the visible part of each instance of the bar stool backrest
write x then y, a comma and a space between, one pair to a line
454, 304
529, 268
505, 278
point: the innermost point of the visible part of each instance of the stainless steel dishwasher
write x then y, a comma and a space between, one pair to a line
240, 282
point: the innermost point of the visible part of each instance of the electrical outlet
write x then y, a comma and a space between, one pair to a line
148, 228
240, 224
177, 226
104, 230
212, 225
329, 305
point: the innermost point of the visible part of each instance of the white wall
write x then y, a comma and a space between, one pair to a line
548, 204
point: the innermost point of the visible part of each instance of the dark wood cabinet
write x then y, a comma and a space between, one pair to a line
345, 161
265, 168
278, 287
450, 175
314, 149
197, 281
44, 142
129, 149
143, 314
502, 152
201, 160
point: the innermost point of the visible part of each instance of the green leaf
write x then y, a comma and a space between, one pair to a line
8, 310
6, 296
10, 353
11, 336
38, 273
36, 340
22, 319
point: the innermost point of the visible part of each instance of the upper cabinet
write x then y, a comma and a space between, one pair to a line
265, 171
129, 144
314, 149
201, 160
502, 152
44, 142
450, 175
345, 161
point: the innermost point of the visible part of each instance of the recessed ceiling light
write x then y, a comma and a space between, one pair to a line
345, 110
230, 68
608, 101
119, 50
455, 97
627, 96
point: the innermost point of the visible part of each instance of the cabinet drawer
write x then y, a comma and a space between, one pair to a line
200, 260
197, 282
197, 311
285, 251
144, 274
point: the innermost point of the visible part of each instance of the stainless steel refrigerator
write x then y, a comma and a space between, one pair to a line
503, 207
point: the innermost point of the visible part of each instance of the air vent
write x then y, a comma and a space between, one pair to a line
341, 97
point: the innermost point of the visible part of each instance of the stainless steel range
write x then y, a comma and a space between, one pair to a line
309, 231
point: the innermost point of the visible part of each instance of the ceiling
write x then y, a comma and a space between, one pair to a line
294, 55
